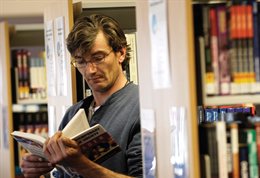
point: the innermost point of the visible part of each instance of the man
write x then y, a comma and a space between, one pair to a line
100, 53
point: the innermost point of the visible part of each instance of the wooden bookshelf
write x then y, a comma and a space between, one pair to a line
181, 93
251, 96
20, 38
57, 103
6, 121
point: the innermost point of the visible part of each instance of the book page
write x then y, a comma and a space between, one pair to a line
31, 142
76, 125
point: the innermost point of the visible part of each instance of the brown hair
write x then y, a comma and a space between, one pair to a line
85, 30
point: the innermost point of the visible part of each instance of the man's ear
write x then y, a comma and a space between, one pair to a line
122, 54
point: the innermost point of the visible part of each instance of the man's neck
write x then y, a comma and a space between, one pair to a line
101, 97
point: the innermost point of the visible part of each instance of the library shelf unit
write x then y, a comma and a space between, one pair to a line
23, 89
247, 93
6, 121
180, 95
226, 42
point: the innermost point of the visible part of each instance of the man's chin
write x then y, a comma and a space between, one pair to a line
99, 87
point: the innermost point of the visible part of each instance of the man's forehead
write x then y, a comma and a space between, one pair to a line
100, 43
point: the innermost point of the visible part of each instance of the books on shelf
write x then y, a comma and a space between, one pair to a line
239, 148
213, 143
29, 76
95, 142
229, 47
132, 72
208, 114
30, 121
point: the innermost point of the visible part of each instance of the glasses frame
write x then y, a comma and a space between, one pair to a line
91, 61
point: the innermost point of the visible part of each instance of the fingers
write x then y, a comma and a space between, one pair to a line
33, 166
59, 148
32, 158
35, 172
68, 142
52, 149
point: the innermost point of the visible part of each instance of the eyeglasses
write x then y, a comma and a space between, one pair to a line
97, 58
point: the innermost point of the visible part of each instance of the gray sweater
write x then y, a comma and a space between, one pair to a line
120, 116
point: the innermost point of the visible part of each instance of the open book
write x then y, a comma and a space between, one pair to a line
97, 144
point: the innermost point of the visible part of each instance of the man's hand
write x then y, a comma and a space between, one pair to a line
34, 166
62, 150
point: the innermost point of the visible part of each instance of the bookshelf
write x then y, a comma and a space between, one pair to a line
61, 88
6, 121
227, 55
248, 90
161, 101
180, 95
20, 99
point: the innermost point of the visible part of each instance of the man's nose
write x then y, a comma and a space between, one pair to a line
91, 67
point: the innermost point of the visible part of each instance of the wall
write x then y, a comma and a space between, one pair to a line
32, 8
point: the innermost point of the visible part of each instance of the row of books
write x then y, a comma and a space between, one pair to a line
231, 147
30, 75
34, 122
228, 46
208, 114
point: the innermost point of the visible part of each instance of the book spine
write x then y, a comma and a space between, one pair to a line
26, 75
234, 50
224, 57
222, 148
214, 47
235, 149
205, 166
256, 47
229, 152
205, 51
19, 62
208, 146
240, 49
252, 153
250, 34
257, 128
243, 154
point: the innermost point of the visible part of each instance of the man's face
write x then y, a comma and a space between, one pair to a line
101, 76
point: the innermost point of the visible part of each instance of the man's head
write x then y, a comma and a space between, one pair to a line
86, 29
100, 51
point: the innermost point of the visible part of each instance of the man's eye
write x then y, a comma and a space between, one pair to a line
98, 57
80, 62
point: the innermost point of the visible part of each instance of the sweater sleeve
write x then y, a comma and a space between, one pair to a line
134, 152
